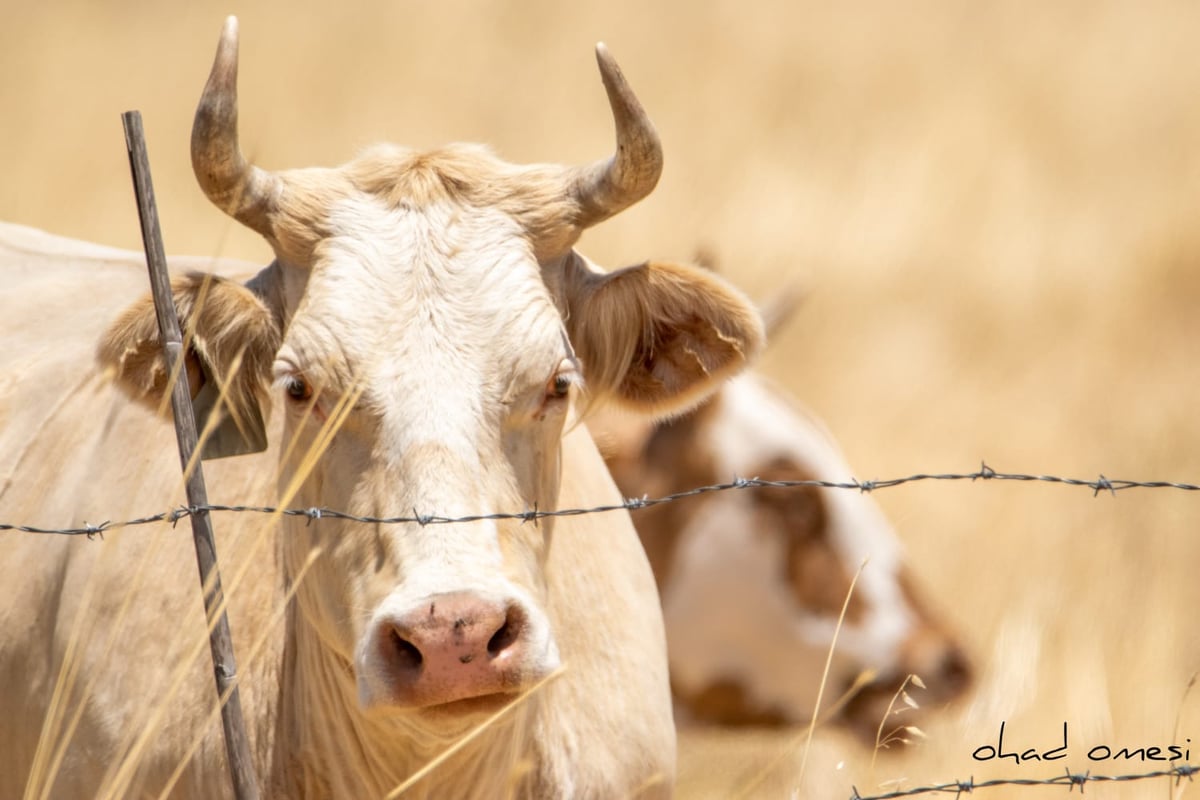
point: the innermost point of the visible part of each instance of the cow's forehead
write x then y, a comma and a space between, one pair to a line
453, 287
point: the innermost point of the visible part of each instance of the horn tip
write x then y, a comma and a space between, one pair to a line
227, 46
606, 62
223, 76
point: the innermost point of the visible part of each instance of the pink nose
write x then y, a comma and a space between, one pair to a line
451, 647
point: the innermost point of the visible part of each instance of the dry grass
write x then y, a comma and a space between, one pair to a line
992, 207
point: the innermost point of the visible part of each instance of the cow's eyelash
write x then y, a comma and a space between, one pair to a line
566, 378
560, 385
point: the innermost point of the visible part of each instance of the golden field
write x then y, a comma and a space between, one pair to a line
992, 209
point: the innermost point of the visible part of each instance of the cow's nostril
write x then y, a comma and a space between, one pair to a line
407, 654
507, 634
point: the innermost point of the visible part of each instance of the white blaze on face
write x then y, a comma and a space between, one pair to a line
732, 614
440, 319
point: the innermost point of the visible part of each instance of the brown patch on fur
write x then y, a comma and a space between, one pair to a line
814, 570
223, 323
658, 337
673, 458
725, 702
676, 456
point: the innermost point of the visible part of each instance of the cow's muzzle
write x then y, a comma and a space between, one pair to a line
450, 647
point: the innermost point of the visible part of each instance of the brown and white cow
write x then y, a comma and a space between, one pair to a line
417, 345
752, 581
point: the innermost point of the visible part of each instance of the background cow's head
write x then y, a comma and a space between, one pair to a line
753, 582
424, 331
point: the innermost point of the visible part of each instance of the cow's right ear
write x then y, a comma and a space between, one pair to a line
231, 338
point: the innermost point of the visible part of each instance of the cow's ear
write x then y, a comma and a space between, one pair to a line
231, 338
657, 337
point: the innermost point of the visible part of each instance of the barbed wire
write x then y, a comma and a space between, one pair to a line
984, 473
1069, 779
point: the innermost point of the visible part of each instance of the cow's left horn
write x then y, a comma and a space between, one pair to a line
608, 186
242, 190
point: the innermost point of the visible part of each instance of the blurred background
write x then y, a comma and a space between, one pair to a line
991, 209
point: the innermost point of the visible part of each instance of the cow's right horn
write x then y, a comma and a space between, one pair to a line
242, 190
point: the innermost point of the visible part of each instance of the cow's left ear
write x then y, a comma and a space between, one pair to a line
657, 337
231, 339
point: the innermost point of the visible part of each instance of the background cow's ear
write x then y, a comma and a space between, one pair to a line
231, 339
658, 337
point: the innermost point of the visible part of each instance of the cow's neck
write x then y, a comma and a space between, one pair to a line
330, 748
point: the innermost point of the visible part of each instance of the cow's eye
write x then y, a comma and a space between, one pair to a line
558, 388
297, 388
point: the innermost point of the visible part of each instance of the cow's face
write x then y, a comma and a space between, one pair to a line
753, 582
424, 332
429, 367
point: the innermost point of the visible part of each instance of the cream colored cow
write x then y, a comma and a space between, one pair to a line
417, 345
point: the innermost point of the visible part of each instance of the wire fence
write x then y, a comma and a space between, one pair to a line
984, 473
1070, 779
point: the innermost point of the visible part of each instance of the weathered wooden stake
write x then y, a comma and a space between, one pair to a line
237, 745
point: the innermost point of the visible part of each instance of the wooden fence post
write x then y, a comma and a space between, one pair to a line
237, 745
